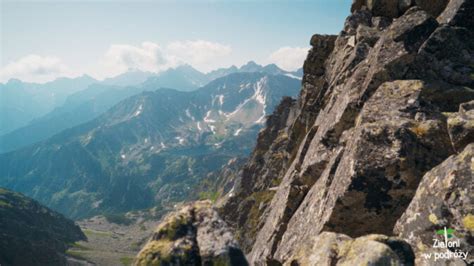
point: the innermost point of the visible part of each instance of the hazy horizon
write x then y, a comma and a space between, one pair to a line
44, 40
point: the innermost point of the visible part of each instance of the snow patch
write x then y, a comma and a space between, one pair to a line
221, 99
292, 76
261, 120
180, 140
237, 132
139, 110
96, 204
207, 118
261, 98
213, 129
244, 86
188, 114
259, 93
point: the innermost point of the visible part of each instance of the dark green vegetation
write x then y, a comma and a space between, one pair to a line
150, 149
31, 234
117, 218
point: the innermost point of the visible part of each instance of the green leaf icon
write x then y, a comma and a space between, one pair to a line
449, 232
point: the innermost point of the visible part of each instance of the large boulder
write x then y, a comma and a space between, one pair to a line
433, 7
461, 126
396, 8
338, 249
444, 199
193, 235
386, 8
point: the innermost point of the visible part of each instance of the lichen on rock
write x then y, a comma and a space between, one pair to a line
193, 235
443, 199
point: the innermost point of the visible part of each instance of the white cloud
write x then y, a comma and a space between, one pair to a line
203, 55
35, 68
121, 57
289, 58
152, 57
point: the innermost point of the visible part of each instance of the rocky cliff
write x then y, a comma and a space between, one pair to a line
374, 158
31, 234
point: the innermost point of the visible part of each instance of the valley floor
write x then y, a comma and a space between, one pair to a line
111, 243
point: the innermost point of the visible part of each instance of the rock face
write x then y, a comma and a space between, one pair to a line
443, 199
381, 105
195, 235
378, 143
31, 234
461, 126
246, 205
338, 249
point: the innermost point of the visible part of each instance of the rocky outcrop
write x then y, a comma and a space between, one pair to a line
245, 207
461, 126
383, 104
194, 235
443, 200
338, 249
31, 234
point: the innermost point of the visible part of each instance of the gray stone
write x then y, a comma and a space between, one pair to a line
338, 249
193, 235
461, 126
444, 198
433, 7
385, 8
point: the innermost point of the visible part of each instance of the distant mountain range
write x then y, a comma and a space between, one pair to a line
151, 148
90, 98
20, 102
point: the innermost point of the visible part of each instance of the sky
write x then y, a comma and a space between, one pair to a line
43, 40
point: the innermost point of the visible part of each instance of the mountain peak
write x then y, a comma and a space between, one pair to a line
251, 66
187, 68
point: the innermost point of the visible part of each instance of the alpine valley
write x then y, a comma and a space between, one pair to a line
151, 149
363, 157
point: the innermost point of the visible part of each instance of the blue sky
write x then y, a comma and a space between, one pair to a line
103, 38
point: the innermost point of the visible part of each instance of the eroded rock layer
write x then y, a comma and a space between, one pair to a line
382, 104
373, 160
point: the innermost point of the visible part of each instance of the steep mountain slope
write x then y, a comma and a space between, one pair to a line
377, 111
79, 108
32, 234
90, 102
373, 165
87, 104
151, 148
